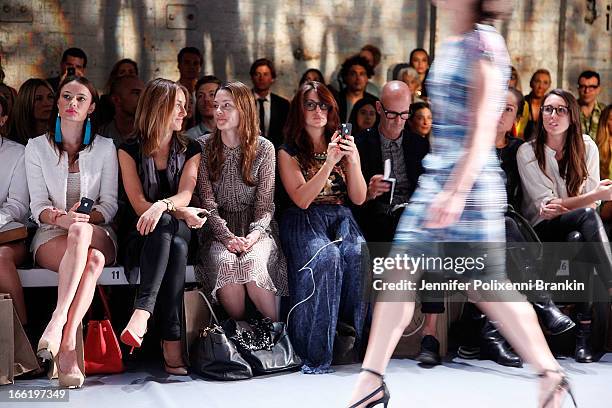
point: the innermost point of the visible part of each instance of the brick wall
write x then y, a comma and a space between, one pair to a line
295, 34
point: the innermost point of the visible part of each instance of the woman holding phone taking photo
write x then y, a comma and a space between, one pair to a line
64, 166
321, 172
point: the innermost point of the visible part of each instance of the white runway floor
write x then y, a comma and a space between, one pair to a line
458, 383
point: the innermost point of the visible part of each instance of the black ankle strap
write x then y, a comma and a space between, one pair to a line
376, 373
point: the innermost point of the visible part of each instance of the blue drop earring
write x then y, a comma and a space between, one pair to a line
87, 137
58, 130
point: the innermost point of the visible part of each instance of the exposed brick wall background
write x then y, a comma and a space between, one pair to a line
295, 34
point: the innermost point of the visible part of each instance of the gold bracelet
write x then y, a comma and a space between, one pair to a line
170, 207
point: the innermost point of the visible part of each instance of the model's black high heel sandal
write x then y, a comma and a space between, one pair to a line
383, 387
563, 384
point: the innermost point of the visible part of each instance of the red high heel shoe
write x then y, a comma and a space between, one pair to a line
131, 339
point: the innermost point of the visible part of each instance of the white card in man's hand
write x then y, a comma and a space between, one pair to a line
387, 178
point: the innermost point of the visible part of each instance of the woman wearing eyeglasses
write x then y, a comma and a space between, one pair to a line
560, 178
321, 173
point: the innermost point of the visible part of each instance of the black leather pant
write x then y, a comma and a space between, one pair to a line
583, 224
163, 261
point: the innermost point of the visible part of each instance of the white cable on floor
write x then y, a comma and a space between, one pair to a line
314, 285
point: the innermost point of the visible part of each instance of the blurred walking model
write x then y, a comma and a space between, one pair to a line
461, 196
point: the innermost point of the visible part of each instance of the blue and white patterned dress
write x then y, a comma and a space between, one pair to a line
449, 88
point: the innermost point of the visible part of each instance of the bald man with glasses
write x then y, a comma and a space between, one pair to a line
379, 215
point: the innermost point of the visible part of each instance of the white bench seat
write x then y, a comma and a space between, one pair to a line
111, 275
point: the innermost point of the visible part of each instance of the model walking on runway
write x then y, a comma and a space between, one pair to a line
461, 196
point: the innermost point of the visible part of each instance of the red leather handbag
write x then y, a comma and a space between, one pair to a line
102, 351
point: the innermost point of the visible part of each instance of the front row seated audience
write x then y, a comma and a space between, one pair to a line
559, 172
230, 174
239, 252
159, 170
14, 203
321, 173
65, 164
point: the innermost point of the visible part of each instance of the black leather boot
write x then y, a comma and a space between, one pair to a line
494, 347
551, 318
583, 347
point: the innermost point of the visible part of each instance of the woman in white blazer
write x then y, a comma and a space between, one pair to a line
14, 202
63, 166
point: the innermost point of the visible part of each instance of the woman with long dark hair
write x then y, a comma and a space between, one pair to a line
321, 173
69, 163
559, 172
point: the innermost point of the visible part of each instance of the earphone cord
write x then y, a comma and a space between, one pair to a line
314, 285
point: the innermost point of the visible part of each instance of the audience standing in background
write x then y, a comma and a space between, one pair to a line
355, 72
364, 115
14, 207
311, 75
73, 58
411, 78
540, 83
31, 113
515, 80
123, 67
105, 109
124, 94
205, 122
272, 108
70, 162
374, 56
190, 63
239, 252
159, 170
419, 60
589, 87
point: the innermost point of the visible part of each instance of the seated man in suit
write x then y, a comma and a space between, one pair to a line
377, 218
390, 140
273, 109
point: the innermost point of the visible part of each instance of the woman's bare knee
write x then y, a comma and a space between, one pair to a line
79, 233
95, 262
7, 255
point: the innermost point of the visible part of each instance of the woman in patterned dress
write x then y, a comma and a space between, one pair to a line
321, 172
239, 251
461, 196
